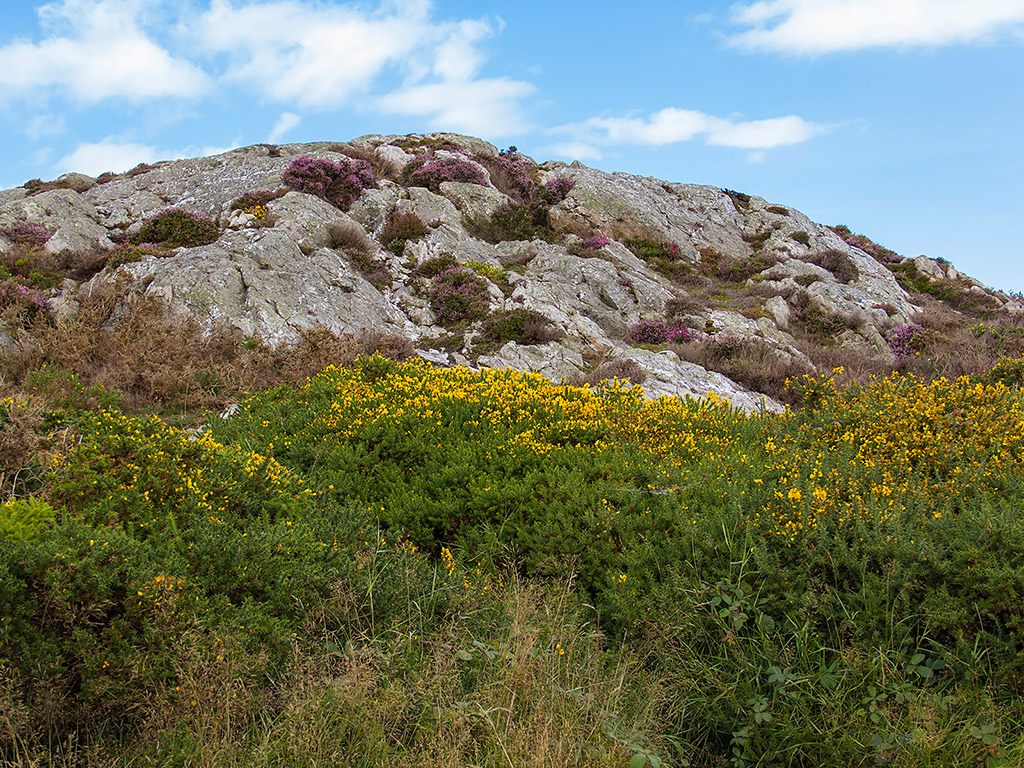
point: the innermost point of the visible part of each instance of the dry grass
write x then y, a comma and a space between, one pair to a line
135, 346
538, 690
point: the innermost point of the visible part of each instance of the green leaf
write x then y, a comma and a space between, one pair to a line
639, 760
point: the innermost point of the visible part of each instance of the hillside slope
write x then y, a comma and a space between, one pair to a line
484, 258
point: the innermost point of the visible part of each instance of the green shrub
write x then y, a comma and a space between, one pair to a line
839, 263
512, 221
25, 519
435, 266
177, 228
521, 325
399, 229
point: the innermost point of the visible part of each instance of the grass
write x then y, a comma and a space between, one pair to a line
375, 562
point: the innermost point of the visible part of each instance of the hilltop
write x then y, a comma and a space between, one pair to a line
445, 247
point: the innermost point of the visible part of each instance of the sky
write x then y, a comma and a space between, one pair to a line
903, 119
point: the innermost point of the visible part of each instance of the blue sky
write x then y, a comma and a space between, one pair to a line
900, 118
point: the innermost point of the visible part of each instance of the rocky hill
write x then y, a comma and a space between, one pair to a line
487, 259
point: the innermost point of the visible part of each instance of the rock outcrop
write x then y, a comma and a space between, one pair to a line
736, 268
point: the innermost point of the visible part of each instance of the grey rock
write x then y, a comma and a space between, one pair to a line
473, 199
74, 222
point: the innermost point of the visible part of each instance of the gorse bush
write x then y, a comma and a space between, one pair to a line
736, 579
25, 519
177, 228
339, 183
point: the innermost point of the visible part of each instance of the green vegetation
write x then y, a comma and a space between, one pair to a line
177, 228
392, 563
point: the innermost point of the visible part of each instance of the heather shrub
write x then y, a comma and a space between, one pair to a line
432, 171
399, 229
801, 237
596, 242
906, 340
521, 325
177, 228
558, 188
26, 235
682, 305
435, 266
660, 332
350, 237
622, 368
458, 294
651, 250
515, 175
338, 183
250, 201
26, 301
740, 270
867, 245
814, 318
740, 200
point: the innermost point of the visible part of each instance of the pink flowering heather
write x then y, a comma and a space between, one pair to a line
905, 340
338, 183
558, 188
459, 294
24, 234
13, 293
435, 171
596, 242
660, 332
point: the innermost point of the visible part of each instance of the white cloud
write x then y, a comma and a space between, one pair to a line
285, 123
825, 26
104, 55
327, 56
671, 125
106, 155
116, 156
457, 58
45, 125
487, 108
311, 55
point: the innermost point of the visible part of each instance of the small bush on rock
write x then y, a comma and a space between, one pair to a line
511, 221
521, 325
176, 228
435, 266
651, 250
660, 332
558, 188
399, 229
338, 183
906, 340
252, 200
458, 294
431, 172
838, 263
